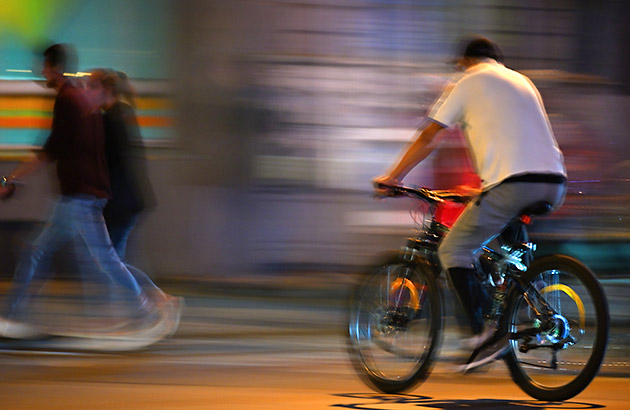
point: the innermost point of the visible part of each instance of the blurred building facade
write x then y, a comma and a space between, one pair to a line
285, 109
311, 99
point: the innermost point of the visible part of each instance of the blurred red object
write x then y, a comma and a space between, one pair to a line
448, 212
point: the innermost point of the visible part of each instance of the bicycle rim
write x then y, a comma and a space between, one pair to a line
395, 320
559, 362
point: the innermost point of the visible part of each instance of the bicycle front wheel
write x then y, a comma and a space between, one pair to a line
554, 355
394, 325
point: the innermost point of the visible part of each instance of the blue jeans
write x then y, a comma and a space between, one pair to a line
119, 231
74, 218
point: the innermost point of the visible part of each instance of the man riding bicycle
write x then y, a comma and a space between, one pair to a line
515, 153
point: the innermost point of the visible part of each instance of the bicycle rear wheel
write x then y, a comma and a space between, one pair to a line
556, 362
395, 324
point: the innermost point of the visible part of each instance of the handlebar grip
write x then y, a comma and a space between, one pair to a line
390, 190
380, 185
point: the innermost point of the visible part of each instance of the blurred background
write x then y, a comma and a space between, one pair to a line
265, 120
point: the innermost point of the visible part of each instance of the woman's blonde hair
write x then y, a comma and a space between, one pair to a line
117, 82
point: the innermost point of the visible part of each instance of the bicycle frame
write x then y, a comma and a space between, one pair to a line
506, 264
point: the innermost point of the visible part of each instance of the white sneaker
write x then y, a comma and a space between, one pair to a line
176, 306
15, 330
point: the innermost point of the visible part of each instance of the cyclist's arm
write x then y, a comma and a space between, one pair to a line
418, 150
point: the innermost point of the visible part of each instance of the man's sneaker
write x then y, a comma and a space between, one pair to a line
177, 307
15, 330
145, 306
495, 349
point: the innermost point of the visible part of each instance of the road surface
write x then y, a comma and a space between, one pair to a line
244, 351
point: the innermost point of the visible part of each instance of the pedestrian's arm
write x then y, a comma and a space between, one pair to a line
418, 150
33, 163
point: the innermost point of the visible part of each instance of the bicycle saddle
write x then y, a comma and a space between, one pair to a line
537, 208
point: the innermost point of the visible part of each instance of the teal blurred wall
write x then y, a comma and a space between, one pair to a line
135, 36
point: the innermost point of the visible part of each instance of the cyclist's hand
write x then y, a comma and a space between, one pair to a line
384, 180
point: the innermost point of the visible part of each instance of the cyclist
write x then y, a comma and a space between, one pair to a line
515, 153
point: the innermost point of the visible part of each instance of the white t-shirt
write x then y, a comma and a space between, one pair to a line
502, 115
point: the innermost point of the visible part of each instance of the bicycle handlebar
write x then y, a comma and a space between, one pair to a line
425, 194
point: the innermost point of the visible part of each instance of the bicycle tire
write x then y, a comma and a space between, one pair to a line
379, 340
574, 292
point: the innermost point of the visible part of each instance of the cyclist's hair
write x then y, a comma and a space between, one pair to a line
480, 47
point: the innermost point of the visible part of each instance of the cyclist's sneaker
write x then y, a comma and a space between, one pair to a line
494, 349
16, 330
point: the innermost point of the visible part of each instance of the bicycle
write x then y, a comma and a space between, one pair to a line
553, 308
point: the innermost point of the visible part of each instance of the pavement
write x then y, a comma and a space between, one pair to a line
272, 342
331, 290
305, 312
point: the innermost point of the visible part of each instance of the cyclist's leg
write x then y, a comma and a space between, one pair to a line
481, 222
473, 298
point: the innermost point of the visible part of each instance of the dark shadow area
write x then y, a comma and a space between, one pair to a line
376, 401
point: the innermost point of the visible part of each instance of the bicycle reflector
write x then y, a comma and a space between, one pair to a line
412, 299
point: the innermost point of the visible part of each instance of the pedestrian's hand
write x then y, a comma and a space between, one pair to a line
7, 191
6, 188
